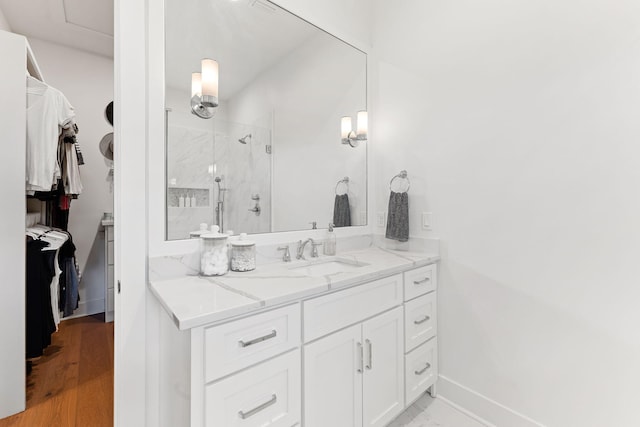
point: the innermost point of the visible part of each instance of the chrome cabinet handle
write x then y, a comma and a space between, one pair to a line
423, 370
360, 357
420, 282
259, 339
369, 364
421, 320
259, 408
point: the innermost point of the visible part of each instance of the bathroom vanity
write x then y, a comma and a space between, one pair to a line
338, 341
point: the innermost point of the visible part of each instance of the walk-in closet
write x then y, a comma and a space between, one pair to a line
57, 255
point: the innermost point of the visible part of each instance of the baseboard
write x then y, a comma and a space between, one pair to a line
480, 407
87, 308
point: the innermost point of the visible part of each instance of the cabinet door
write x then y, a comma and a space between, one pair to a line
333, 380
383, 382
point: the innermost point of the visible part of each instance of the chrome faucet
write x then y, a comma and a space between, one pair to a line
286, 256
301, 245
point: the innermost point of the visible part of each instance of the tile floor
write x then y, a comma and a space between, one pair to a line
430, 412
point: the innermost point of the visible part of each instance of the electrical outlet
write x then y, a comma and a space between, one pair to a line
381, 220
426, 220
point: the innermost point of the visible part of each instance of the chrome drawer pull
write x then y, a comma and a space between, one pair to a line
259, 339
423, 370
369, 365
420, 282
360, 357
257, 409
421, 320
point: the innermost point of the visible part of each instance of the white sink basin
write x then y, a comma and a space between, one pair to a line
330, 266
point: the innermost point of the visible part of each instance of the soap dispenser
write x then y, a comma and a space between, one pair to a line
330, 242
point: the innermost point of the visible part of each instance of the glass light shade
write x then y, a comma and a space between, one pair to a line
209, 77
362, 123
196, 84
345, 127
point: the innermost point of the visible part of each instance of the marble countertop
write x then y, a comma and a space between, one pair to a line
192, 300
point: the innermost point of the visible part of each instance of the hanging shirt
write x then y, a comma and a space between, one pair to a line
47, 112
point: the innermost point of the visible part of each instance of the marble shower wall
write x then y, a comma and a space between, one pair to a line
197, 152
189, 156
245, 170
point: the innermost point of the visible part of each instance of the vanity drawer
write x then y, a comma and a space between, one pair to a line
331, 312
421, 370
420, 320
420, 281
235, 345
265, 395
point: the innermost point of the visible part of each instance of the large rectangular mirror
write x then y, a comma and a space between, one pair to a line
270, 158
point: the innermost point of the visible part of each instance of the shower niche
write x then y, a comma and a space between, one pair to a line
215, 170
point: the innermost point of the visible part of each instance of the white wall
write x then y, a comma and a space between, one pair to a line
4, 25
87, 82
517, 122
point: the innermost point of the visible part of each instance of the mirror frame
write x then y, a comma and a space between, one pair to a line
156, 155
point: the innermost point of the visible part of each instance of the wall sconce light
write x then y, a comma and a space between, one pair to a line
362, 124
204, 89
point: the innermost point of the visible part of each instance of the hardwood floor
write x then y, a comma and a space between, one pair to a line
72, 384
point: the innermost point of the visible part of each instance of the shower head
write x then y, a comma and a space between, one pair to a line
244, 139
217, 179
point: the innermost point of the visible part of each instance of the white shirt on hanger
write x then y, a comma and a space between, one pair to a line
47, 111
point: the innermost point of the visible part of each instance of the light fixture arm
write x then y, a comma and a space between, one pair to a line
200, 109
348, 135
353, 139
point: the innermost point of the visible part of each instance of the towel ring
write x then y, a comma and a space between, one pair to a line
402, 175
344, 181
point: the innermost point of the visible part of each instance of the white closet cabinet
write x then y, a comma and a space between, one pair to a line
355, 377
109, 270
17, 58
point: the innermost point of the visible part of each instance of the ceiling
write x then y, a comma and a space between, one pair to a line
246, 37
82, 24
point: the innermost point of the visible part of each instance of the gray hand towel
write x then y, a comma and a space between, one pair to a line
341, 211
398, 217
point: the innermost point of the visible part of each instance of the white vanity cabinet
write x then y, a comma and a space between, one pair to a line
355, 377
420, 319
245, 372
351, 357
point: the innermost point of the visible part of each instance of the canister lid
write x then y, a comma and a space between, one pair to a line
242, 241
203, 230
214, 235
